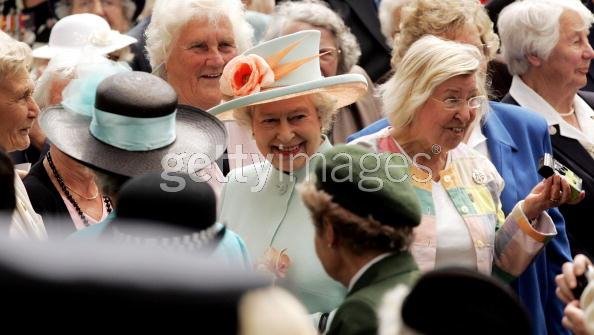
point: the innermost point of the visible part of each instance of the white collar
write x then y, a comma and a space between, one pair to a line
527, 97
476, 136
365, 268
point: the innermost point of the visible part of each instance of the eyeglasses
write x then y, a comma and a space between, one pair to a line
455, 103
329, 54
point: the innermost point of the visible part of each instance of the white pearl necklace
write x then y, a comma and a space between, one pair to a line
568, 113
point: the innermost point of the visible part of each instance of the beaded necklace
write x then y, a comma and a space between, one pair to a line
69, 196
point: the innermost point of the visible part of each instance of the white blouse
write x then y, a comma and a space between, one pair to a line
454, 244
527, 97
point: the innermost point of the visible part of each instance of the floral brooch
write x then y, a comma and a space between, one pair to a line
274, 262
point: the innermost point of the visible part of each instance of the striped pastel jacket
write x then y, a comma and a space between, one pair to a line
505, 246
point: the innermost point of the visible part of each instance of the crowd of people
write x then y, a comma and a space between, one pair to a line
332, 166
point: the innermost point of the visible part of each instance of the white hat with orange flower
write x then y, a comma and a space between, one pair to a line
284, 68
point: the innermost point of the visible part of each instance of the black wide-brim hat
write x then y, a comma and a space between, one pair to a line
197, 132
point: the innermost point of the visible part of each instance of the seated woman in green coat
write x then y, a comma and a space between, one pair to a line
364, 211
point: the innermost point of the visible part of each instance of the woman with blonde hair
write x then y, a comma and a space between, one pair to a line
512, 138
432, 101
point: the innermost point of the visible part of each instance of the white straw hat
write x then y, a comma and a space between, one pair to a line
83, 32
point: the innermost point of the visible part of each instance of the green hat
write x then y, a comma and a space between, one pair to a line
369, 184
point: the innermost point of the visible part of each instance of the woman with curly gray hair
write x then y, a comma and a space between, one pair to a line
120, 14
339, 54
188, 44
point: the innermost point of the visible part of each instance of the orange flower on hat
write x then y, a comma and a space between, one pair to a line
275, 262
246, 74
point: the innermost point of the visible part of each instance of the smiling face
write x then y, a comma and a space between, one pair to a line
435, 124
196, 61
18, 111
568, 63
287, 131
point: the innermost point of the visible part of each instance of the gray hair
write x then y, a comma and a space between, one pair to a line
428, 62
64, 8
386, 11
324, 106
531, 27
68, 67
169, 16
317, 14
61, 67
15, 56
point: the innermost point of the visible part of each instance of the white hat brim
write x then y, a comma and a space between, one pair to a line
345, 88
48, 52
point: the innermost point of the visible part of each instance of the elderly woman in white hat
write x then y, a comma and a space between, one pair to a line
18, 112
280, 96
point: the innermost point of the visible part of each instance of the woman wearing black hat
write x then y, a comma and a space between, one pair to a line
364, 224
59, 185
130, 131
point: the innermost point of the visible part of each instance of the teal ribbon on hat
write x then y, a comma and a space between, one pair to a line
132, 133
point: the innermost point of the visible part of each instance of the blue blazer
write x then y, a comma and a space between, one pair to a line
517, 138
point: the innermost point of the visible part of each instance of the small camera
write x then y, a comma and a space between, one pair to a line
550, 166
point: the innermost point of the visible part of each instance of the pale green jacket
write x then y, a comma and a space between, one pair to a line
262, 205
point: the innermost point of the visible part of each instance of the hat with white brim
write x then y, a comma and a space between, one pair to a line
83, 33
281, 69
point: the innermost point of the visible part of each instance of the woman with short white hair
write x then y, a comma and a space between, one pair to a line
545, 44
172, 20
188, 44
18, 112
